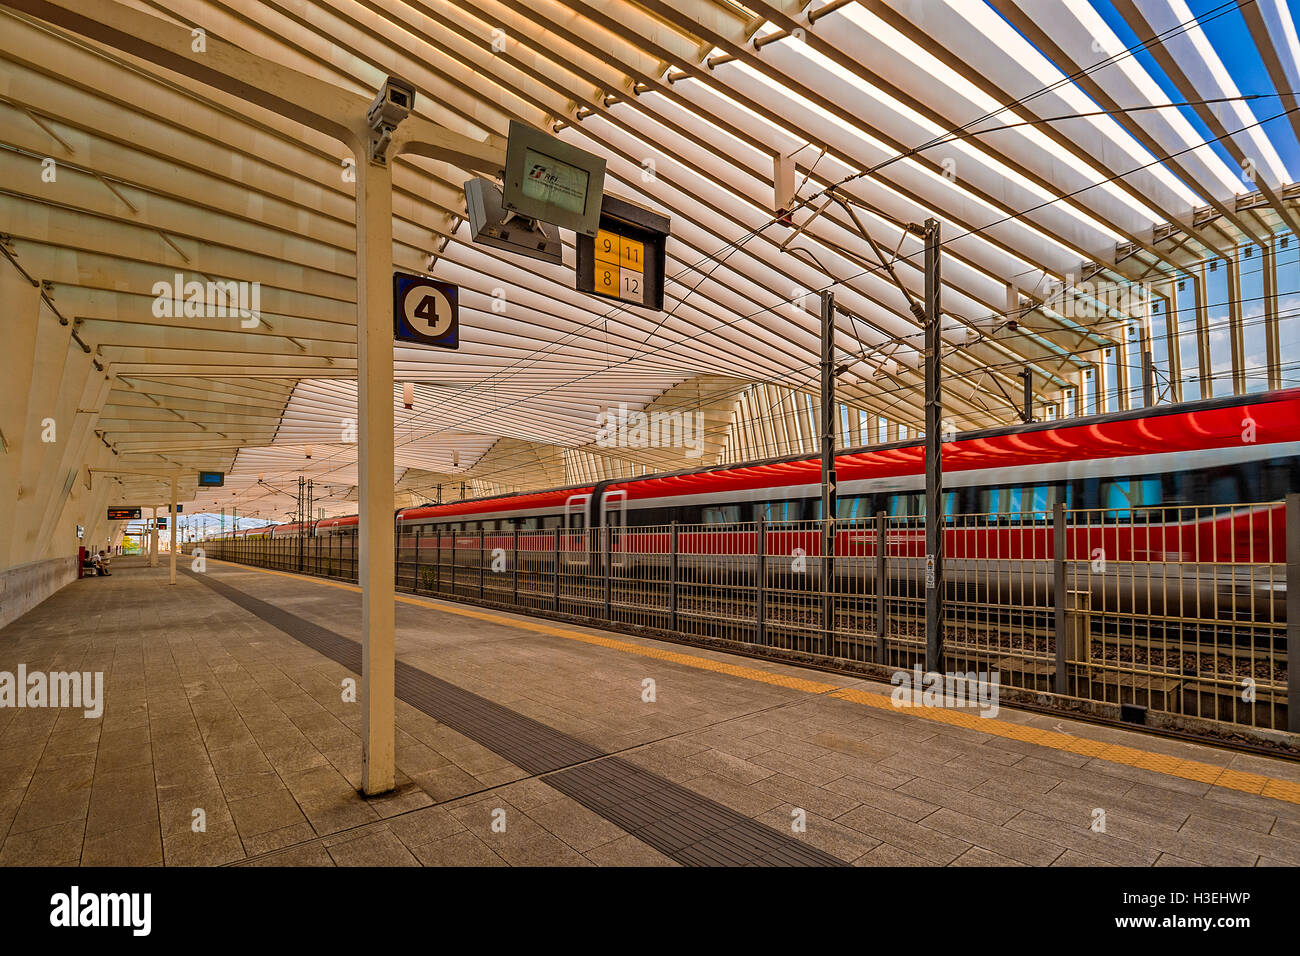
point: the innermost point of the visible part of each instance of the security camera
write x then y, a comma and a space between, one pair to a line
394, 103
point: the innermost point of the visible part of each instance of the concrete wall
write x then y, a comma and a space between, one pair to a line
49, 407
27, 585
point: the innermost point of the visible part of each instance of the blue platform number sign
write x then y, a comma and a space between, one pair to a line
425, 311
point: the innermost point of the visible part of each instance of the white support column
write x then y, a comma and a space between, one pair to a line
172, 526
153, 540
374, 190
341, 115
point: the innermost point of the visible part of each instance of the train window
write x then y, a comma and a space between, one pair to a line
853, 507
908, 505
991, 502
999, 502
690, 514
1039, 501
722, 514
781, 510
526, 524
1186, 488
1251, 473
648, 517
1224, 486
1121, 497
1278, 478
1020, 503
549, 522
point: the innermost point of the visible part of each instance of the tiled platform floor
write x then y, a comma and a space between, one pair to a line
210, 707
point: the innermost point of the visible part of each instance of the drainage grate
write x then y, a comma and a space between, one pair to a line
678, 822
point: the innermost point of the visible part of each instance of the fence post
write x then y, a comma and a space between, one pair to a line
828, 585
555, 601
481, 556
760, 583
1060, 598
607, 557
1293, 613
672, 580
454, 541
882, 584
416, 582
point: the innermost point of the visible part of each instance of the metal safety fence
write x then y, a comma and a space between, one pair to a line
1179, 612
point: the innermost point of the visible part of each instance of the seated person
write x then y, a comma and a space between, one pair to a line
101, 565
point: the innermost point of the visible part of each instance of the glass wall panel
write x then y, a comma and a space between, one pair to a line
1219, 327
1254, 332
1287, 248
1189, 363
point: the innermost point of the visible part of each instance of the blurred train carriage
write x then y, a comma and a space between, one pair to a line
1195, 487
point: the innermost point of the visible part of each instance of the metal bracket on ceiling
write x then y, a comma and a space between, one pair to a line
445, 241
826, 9
916, 307
49, 131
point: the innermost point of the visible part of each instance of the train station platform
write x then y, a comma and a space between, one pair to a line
527, 743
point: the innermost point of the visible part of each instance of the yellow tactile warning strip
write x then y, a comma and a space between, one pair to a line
1114, 753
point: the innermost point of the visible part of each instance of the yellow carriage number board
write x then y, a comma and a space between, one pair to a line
620, 267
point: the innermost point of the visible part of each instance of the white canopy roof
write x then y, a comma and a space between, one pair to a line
908, 108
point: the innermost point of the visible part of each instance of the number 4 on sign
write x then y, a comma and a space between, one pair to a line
425, 311
435, 319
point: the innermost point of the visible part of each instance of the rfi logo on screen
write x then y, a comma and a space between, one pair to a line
425, 311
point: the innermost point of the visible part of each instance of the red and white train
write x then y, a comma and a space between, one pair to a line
1139, 483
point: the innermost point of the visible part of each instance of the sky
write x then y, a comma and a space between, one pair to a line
1226, 29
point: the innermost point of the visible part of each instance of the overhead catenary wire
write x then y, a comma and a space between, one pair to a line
858, 273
